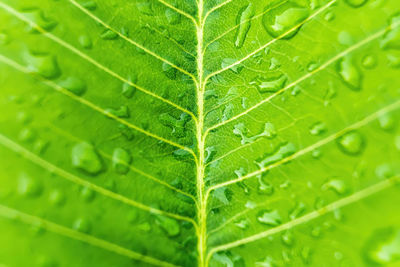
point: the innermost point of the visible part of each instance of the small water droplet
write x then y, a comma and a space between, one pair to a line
337, 185
228, 112
121, 112
383, 247
351, 143
297, 210
57, 198
27, 135
386, 121
316, 231
169, 71
287, 238
242, 224
44, 65
270, 84
28, 186
356, 3
391, 39
369, 61
169, 225
90, 5
109, 35
384, 171
243, 19
282, 152
177, 125
38, 17
284, 18
87, 194
269, 217
226, 62
82, 225
241, 131
121, 160
329, 16
74, 85
4, 38
85, 41
274, 64
318, 128
350, 74
84, 157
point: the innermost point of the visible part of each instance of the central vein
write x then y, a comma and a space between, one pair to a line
200, 87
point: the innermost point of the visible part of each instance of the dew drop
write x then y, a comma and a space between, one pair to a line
90, 5
44, 65
356, 3
350, 74
121, 160
29, 187
169, 225
271, 218
74, 85
383, 246
241, 131
121, 112
85, 41
271, 84
37, 17
87, 194
4, 38
282, 20
27, 135
242, 224
337, 185
282, 152
351, 143
57, 198
297, 211
228, 112
84, 157
369, 62
384, 171
386, 121
243, 19
287, 238
318, 128
177, 125
274, 64
226, 62
391, 39
109, 35
82, 225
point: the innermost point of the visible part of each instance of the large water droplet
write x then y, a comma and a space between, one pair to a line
244, 21
383, 247
351, 143
284, 20
84, 157
350, 74
121, 160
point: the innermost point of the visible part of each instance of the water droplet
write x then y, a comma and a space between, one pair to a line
383, 247
82, 225
37, 17
266, 262
282, 152
268, 217
394, 61
44, 65
369, 61
121, 112
345, 38
226, 62
109, 35
29, 187
391, 39
316, 153
57, 198
121, 160
4, 38
386, 121
227, 259
172, 16
87, 194
228, 112
351, 143
90, 5
242, 224
74, 85
271, 84
337, 185
306, 254
350, 74
145, 8
282, 20
316, 231
264, 188
356, 3
297, 211
241, 131
210, 153
243, 19
27, 135
250, 205
169, 225
312, 66
85, 41
329, 16
287, 238
223, 195
296, 90
317, 128
84, 157
177, 125
384, 171
274, 64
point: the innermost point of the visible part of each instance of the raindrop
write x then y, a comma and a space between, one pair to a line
244, 21
350, 74
84, 157
44, 65
74, 85
269, 217
29, 187
351, 143
121, 160
270, 84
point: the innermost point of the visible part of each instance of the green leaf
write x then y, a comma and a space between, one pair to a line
199, 133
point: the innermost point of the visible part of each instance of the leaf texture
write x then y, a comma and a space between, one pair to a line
199, 133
